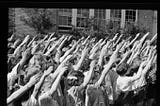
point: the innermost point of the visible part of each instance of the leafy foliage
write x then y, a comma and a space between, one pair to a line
39, 19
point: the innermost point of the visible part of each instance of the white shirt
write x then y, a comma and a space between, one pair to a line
13, 74
124, 83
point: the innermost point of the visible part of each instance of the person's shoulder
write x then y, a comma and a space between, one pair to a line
44, 96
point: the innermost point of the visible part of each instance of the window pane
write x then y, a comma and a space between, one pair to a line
69, 20
130, 15
78, 11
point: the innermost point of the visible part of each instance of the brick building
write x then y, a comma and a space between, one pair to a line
120, 17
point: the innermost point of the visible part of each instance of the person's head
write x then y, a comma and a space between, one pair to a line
122, 69
29, 72
75, 78
136, 62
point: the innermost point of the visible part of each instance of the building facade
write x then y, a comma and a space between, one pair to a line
120, 17
66, 18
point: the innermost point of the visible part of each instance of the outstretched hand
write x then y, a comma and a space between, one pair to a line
26, 54
48, 71
34, 79
113, 57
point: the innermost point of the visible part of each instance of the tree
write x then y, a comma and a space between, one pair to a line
42, 20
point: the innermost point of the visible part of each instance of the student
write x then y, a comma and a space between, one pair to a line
90, 100
33, 100
17, 94
48, 98
77, 82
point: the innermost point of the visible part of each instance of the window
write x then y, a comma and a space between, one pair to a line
130, 16
116, 14
116, 17
99, 13
64, 20
82, 16
65, 16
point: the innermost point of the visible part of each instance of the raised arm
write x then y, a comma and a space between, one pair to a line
86, 40
115, 37
11, 38
142, 40
30, 43
57, 71
48, 43
56, 82
154, 38
78, 65
124, 59
88, 76
113, 59
134, 40
119, 38
52, 48
139, 73
103, 52
61, 44
25, 41
68, 52
77, 48
23, 89
39, 84
14, 73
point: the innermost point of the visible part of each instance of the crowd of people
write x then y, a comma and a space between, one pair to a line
61, 71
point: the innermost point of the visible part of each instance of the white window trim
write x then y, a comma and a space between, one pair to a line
123, 15
108, 14
91, 13
136, 21
74, 17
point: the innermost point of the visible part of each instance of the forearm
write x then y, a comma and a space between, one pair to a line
18, 93
80, 62
65, 55
56, 82
119, 39
78, 46
154, 38
55, 74
50, 50
100, 60
130, 58
30, 43
24, 61
125, 58
115, 37
17, 50
143, 38
51, 36
46, 46
104, 72
38, 86
45, 38
147, 67
86, 99
88, 77
147, 51
134, 39
60, 46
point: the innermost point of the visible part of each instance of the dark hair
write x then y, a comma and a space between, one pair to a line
75, 82
122, 69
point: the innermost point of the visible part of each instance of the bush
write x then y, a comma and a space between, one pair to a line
39, 19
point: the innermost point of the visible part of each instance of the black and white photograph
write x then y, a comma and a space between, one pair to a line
81, 57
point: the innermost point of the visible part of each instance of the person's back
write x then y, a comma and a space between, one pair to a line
97, 97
